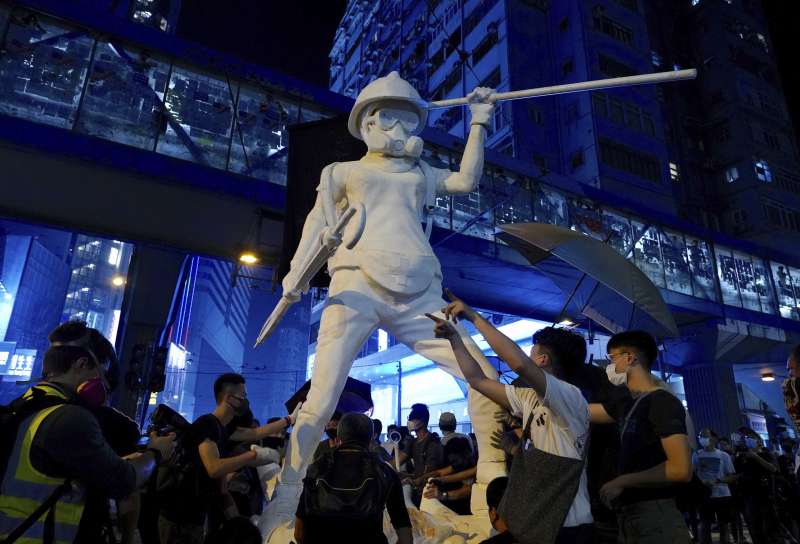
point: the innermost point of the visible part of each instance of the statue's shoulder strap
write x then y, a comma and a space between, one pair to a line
326, 191
430, 195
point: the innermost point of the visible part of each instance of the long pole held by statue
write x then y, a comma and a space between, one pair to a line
318, 260
595, 85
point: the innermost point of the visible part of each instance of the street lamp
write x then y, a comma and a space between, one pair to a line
117, 281
248, 257
768, 377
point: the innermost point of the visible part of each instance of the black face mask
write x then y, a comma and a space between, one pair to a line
242, 408
331, 433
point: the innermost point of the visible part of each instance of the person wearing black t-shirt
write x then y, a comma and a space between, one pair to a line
185, 511
756, 468
655, 451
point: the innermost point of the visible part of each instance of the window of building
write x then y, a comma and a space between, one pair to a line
477, 15
722, 132
780, 216
435, 61
633, 117
787, 181
535, 115
648, 125
763, 172
623, 113
499, 117
610, 27
731, 174
486, 45
452, 79
505, 145
614, 68
629, 160
630, 4
492, 80
674, 172
541, 5
567, 67
771, 140
717, 97
571, 112
656, 59
577, 159
600, 104
616, 111
739, 217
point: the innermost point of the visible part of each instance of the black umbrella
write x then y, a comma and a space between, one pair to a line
356, 397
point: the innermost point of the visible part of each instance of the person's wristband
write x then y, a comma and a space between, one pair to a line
157, 455
288, 421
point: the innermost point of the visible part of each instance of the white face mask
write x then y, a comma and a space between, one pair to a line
412, 427
704, 441
617, 378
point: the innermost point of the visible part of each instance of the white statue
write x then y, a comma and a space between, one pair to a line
385, 273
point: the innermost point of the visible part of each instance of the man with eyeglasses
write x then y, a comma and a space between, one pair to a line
655, 452
385, 272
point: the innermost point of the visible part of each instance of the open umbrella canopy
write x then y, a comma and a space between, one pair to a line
600, 283
356, 397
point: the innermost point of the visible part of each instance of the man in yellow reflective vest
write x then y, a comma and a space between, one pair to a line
59, 450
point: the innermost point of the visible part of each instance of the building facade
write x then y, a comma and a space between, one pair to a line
719, 151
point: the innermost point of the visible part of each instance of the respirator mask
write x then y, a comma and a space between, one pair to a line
390, 131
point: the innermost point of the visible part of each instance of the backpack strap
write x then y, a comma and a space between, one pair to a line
326, 194
49, 506
430, 197
34, 401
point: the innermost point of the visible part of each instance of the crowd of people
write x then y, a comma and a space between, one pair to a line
593, 456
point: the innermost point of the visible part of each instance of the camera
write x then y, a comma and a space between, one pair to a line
395, 437
165, 420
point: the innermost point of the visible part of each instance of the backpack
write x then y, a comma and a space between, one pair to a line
11, 416
14, 413
176, 476
363, 499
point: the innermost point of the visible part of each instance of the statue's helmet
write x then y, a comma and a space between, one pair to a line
390, 87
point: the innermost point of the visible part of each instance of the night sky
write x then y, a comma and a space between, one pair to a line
782, 16
295, 37
291, 37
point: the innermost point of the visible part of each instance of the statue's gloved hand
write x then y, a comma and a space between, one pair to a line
480, 107
289, 291
330, 238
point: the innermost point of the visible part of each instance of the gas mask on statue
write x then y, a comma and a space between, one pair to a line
390, 131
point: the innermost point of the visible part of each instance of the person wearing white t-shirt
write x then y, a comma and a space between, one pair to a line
560, 423
715, 469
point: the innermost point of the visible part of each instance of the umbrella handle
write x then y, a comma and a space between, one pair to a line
569, 299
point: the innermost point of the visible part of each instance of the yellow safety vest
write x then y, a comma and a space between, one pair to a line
24, 488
